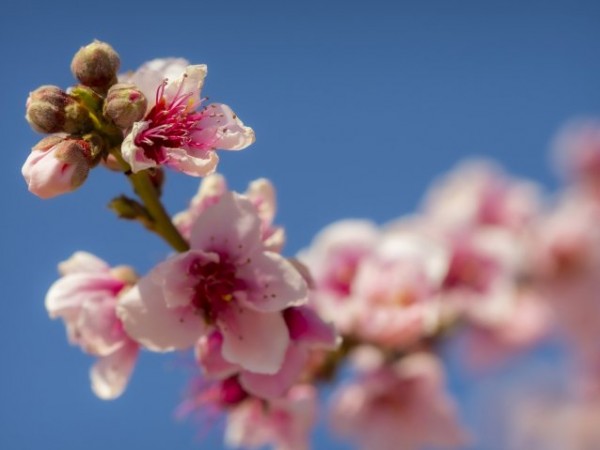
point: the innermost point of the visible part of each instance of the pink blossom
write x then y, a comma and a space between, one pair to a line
306, 331
284, 423
402, 406
333, 260
176, 132
577, 153
396, 290
566, 264
56, 165
479, 193
520, 319
85, 298
260, 192
227, 281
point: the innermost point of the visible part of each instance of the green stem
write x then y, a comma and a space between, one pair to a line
143, 187
163, 225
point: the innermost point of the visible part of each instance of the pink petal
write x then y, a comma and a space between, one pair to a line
273, 386
111, 373
231, 227
274, 283
174, 278
262, 194
134, 155
82, 262
190, 83
149, 321
305, 325
256, 341
152, 73
69, 293
222, 128
197, 163
210, 358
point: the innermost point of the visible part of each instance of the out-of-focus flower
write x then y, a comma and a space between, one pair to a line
85, 298
260, 192
566, 267
403, 406
555, 424
577, 153
57, 165
479, 193
333, 259
284, 423
227, 281
174, 131
396, 290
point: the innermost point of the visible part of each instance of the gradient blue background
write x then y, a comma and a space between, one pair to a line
357, 106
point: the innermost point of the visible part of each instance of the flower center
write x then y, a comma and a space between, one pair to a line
170, 125
215, 286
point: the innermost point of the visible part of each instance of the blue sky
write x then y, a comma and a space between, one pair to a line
357, 106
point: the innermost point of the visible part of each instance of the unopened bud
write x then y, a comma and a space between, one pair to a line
96, 65
124, 105
57, 165
49, 109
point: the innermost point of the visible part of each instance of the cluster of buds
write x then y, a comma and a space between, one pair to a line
80, 134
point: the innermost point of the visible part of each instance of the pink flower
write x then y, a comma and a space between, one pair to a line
396, 290
577, 153
403, 406
479, 193
260, 192
566, 264
306, 331
284, 423
175, 132
333, 260
85, 298
56, 165
227, 281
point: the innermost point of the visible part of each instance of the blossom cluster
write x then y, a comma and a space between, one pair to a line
487, 261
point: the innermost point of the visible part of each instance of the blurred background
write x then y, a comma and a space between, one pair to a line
357, 107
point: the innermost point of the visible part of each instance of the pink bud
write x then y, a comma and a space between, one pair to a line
56, 165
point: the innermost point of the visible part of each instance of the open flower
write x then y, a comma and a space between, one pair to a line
176, 131
226, 281
85, 298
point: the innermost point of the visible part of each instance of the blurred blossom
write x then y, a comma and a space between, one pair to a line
396, 290
333, 259
86, 298
479, 193
400, 406
284, 423
577, 153
566, 266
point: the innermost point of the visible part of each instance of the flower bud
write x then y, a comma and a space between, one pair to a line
124, 105
56, 165
96, 65
49, 109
